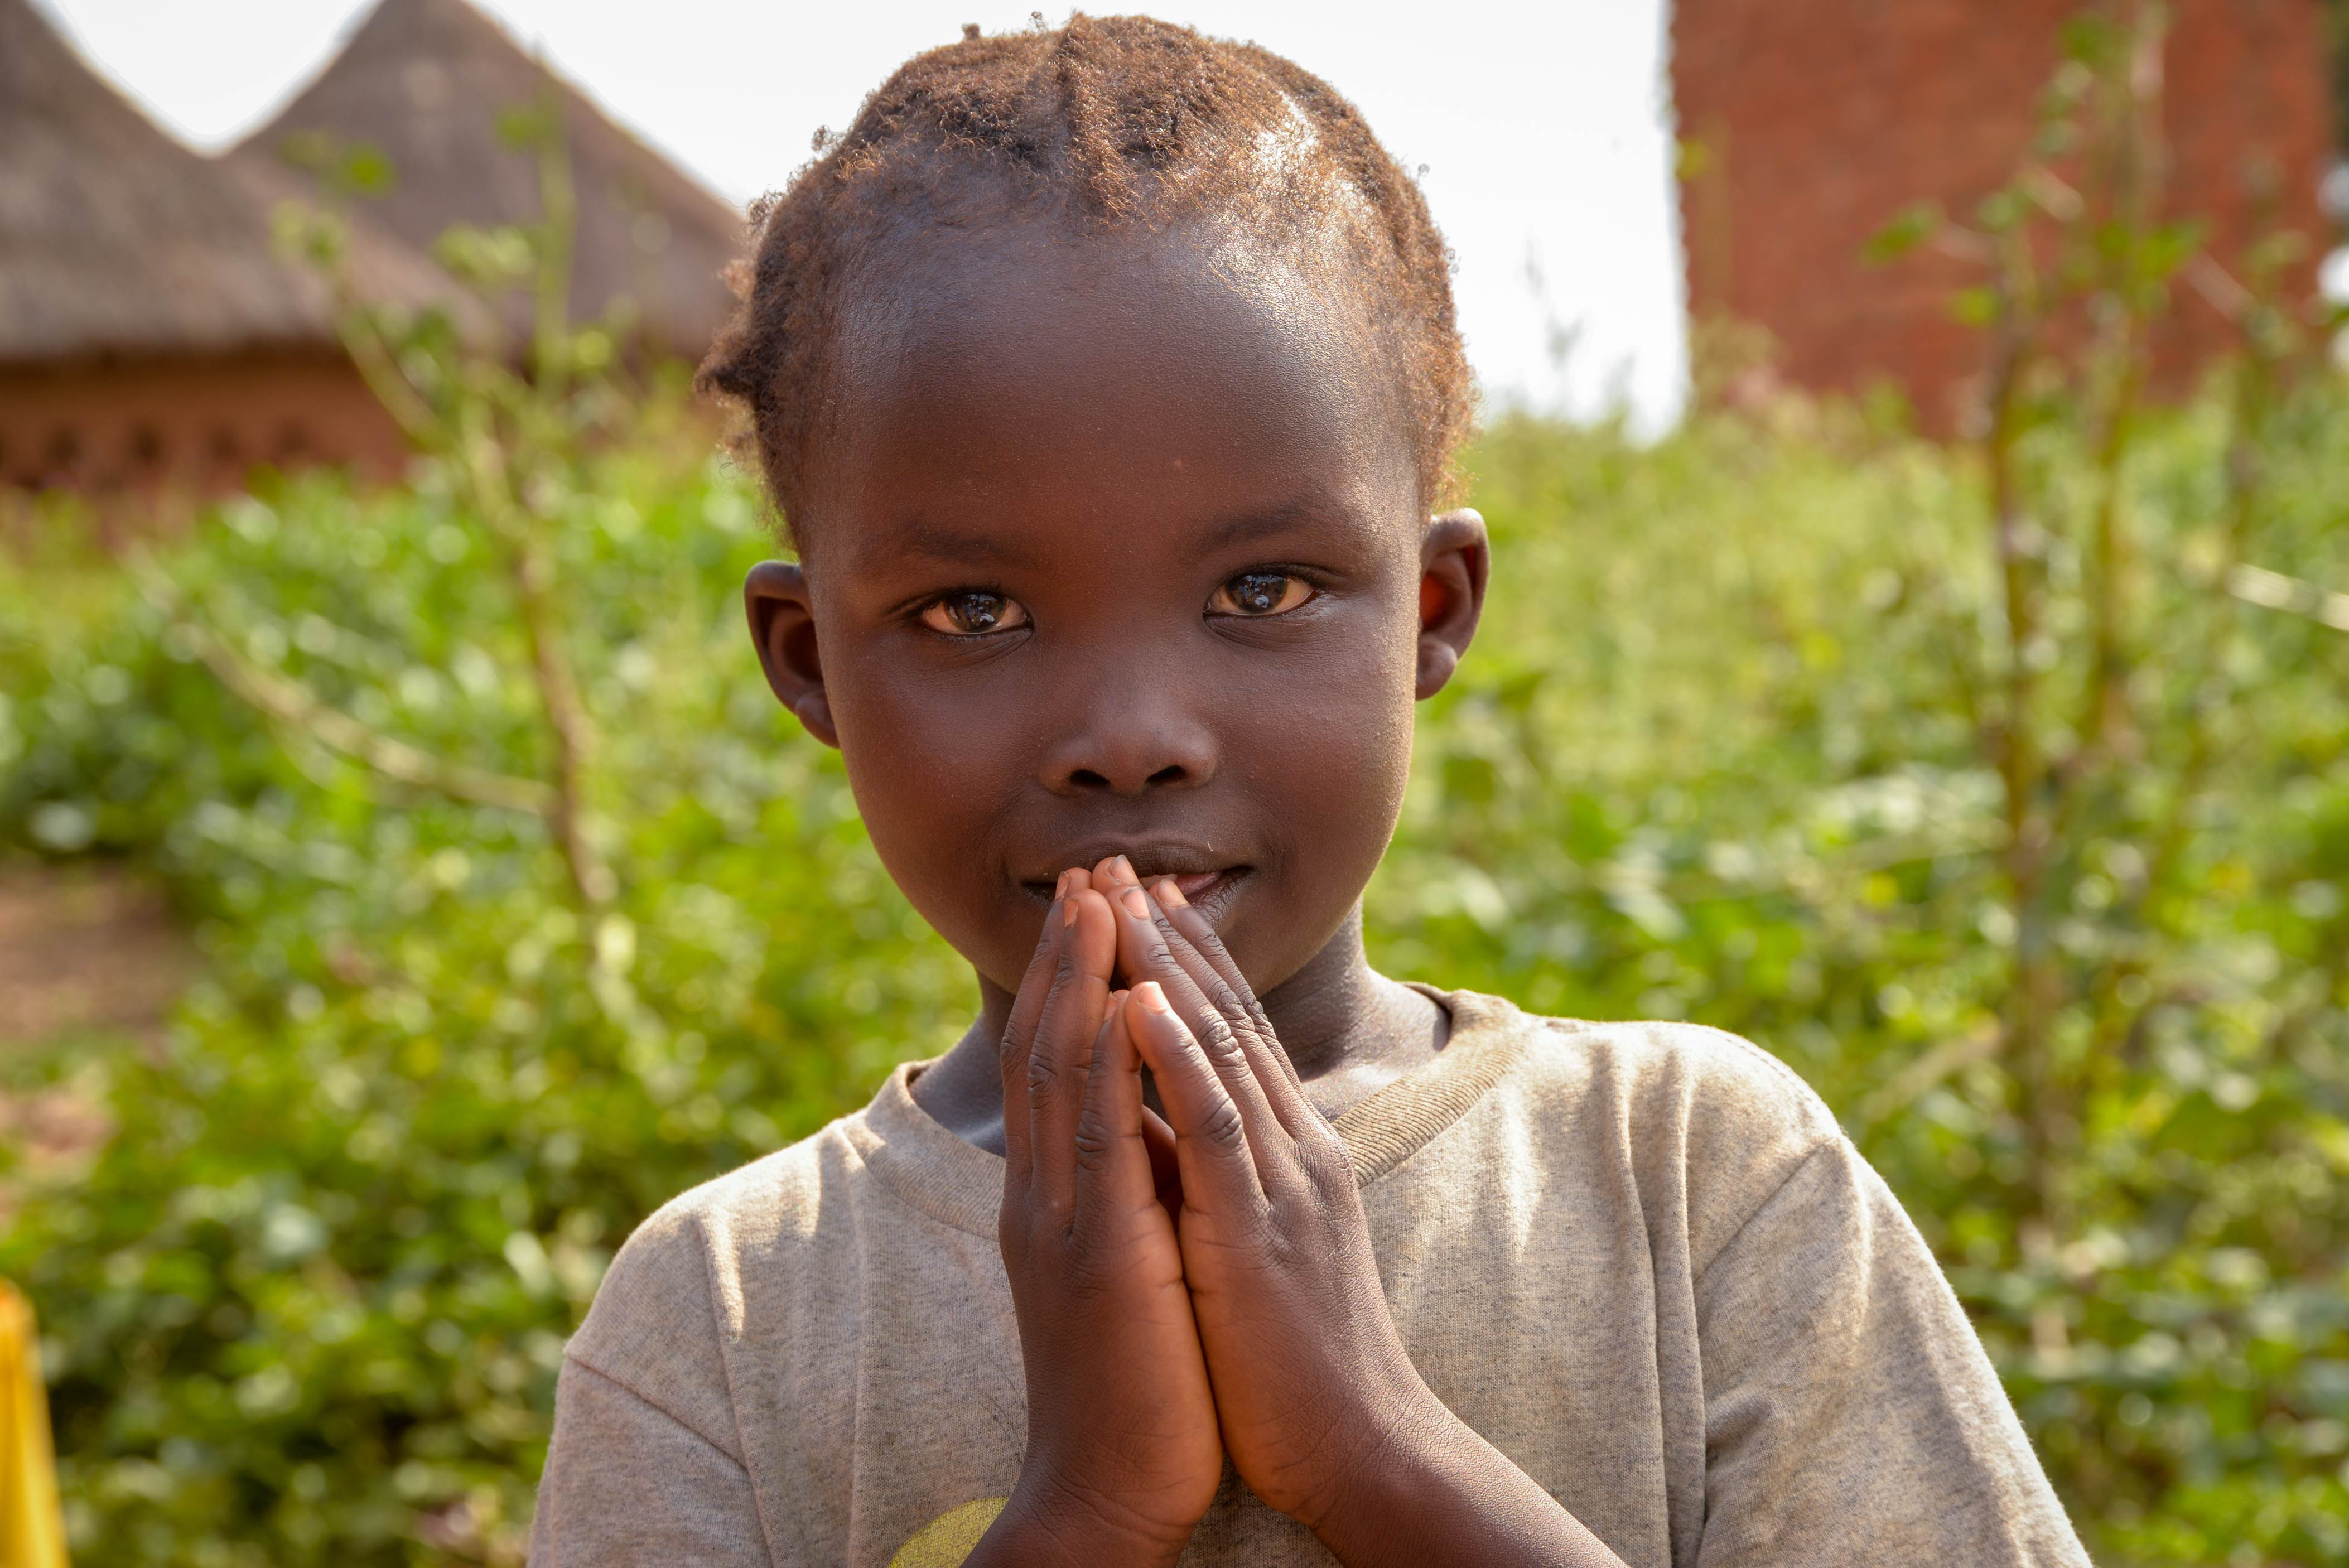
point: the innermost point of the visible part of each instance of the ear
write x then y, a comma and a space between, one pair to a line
1453, 561
782, 627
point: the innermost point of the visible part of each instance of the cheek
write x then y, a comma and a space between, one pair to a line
930, 779
1325, 761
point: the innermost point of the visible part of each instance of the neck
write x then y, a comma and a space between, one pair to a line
1349, 1029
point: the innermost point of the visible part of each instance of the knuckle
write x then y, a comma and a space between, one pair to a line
1218, 1040
1326, 1160
1043, 1076
1226, 1001
1222, 1128
1093, 1145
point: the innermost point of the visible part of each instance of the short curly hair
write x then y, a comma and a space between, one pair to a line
1107, 123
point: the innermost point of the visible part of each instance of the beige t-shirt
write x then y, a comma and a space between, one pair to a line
1639, 1258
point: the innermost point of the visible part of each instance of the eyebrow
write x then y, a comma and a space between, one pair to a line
951, 546
1250, 526
917, 537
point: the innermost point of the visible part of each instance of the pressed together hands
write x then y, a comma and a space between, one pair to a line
1202, 1284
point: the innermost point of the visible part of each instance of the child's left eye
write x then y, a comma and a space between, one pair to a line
1256, 595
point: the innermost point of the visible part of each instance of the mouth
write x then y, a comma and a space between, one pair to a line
1206, 879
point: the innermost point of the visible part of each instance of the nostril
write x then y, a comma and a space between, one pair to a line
1086, 778
1170, 774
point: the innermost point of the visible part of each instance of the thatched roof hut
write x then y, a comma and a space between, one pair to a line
149, 332
425, 82
115, 239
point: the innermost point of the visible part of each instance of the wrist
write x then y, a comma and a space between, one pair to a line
1433, 1490
1382, 1468
1052, 1520
1379, 1508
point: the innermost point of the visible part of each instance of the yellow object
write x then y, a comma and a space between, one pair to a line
946, 1540
32, 1532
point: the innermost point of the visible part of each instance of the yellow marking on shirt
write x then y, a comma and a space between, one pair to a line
949, 1538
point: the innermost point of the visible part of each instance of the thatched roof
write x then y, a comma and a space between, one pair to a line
425, 81
115, 239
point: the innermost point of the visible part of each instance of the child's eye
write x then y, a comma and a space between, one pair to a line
1259, 593
974, 613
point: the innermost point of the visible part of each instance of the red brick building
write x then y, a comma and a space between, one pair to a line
1814, 122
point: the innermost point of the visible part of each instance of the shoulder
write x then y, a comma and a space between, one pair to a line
1707, 1122
1714, 1086
672, 1301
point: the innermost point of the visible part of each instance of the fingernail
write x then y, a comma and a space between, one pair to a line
1123, 869
1061, 888
1069, 913
1136, 904
1149, 996
1169, 895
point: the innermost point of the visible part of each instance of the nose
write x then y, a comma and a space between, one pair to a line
1130, 739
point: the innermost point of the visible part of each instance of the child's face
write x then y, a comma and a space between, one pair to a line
1108, 551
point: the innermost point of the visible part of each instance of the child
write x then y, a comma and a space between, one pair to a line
1106, 377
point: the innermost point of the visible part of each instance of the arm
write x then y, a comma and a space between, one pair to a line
1322, 1410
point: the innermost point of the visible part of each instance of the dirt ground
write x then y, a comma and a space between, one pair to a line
83, 950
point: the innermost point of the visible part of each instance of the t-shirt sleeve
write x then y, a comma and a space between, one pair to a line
1851, 1416
647, 1461
627, 1484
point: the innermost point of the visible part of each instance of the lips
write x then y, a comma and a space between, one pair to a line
1196, 885
1205, 876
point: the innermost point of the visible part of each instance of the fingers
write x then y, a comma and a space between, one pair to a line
1211, 1141
1191, 938
1166, 1165
1059, 1061
1112, 1154
1019, 1035
1028, 1004
1218, 1031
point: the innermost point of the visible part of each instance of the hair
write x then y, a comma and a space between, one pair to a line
1106, 124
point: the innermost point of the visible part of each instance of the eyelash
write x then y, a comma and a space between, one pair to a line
1295, 579
938, 607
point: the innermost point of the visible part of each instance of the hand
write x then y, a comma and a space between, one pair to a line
1122, 1457
1322, 1410
1312, 1383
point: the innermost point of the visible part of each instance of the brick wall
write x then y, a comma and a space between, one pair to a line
199, 422
1818, 120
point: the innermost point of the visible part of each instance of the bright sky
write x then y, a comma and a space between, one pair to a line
1544, 127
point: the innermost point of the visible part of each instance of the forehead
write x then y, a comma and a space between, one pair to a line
1024, 373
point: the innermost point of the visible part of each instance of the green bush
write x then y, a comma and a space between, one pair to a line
309, 1305
1718, 756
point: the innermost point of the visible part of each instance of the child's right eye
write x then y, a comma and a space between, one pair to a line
974, 613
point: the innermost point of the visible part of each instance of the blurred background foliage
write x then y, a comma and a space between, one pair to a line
1999, 789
